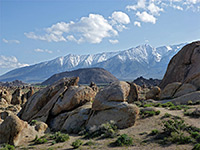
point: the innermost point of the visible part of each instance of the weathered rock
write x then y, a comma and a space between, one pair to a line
3, 102
184, 66
16, 97
38, 100
124, 115
16, 132
94, 87
183, 100
115, 92
153, 93
6, 96
77, 118
44, 113
170, 90
133, 94
194, 80
41, 126
57, 122
185, 89
75, 96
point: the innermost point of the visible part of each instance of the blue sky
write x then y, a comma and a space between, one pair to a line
33, 31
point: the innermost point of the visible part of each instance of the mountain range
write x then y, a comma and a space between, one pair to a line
143, 60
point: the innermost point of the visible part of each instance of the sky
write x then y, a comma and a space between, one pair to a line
33, 31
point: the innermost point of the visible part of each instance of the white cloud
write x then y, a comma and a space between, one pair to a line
10, 62
120, 17
47, 37
10, 41
155, 10
140, 5
137, 23
145, 17
43, 50
92, 29
114, 41
177, 7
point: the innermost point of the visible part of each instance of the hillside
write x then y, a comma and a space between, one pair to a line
86, 75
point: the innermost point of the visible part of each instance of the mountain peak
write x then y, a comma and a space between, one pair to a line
143, 60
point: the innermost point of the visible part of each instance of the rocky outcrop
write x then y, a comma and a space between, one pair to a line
182, 100
169, 91
123, 114
36, 106
110, 104
65, 106
16, 132
5, 95
114, 93
153, 93
16, 97
184, 66
74, 96
133, 94
185, 89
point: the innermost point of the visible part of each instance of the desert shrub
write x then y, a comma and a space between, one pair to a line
168, 104
145, 114
107, 130
40, 141
174, 125
59, 137
196, 147
157, 112
138, 103
77, 143
7, 147
157, 105
147, 105
193, 103
167, 115
192, 114
123, 140
154, 132
89, 143
179, 138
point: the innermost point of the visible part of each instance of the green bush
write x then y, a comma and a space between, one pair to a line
145, 114
77, 143
168, 104
179, 138
196, 147
167, 115
107, 130
59, 137
89, 143
124, 140
7, 147
154, 132
40, 141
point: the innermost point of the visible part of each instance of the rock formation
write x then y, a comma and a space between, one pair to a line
184, 66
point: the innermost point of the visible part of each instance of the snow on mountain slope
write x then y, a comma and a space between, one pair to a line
143, 60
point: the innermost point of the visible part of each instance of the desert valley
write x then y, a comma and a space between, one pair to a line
66, 112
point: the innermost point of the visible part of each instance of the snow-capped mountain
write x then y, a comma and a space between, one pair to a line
143, 60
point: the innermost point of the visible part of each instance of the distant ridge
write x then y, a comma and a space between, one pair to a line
143, 60
86, 75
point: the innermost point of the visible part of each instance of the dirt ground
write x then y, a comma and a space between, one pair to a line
139, 132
